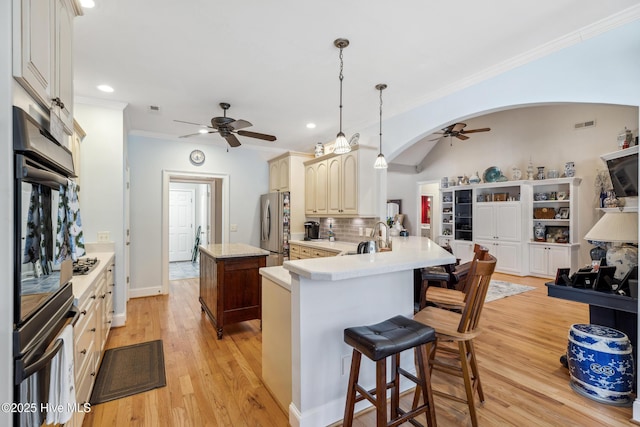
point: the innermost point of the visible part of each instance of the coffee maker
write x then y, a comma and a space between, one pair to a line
311, 230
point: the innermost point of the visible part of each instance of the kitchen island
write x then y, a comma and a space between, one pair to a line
230, 283
328, 295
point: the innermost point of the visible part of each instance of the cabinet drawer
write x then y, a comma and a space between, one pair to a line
294, 250
318, 253
84, 384
305, 252
85, 337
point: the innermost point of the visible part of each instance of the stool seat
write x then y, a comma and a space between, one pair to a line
389, 337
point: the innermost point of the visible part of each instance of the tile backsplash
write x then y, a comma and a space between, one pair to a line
346, 229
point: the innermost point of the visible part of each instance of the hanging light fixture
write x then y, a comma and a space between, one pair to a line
380, 163
342, 145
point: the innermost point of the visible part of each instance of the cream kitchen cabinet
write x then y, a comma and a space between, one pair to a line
545, 259
43, 53
341, 185
508, 254
279, 174
315, 189
497, 221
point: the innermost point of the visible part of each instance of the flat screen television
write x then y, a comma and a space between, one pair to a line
623, 170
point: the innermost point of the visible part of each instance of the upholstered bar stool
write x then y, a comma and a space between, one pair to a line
389, 339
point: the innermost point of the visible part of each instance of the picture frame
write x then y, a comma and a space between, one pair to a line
557, 234
562, 277
564, 213
605, 280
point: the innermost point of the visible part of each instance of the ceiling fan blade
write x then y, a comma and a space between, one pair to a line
191, 123
257, 135
446, 130
457, 127
476, 130
197, 133
462, 137
240, 124
232, 140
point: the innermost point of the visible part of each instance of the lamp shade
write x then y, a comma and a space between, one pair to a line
615, 227
341, 145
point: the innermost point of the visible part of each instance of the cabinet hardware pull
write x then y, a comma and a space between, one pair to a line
83, 312
57, 101
93, 374
84, 351
93, 297
92, 329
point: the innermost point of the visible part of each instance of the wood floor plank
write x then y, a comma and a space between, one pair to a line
213, 382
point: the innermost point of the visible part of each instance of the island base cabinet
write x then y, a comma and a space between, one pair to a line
230, 289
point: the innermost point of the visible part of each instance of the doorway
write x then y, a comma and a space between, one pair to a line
195, 211
428, 208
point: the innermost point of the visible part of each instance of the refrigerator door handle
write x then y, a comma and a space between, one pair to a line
266, 220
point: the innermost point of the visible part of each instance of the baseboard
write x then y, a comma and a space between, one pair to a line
144, 292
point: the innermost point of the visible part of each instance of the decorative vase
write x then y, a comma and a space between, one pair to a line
538, 232
623, 257
319, 150
516, 174
460, 181
611, 201
475, 178
540, 175
569, 169
444, 182
598, 253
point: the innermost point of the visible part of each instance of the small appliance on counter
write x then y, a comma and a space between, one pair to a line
368, 246
311, 230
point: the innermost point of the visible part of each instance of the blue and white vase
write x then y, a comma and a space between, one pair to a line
601, 364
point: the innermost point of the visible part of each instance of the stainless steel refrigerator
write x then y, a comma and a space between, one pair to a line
274, 226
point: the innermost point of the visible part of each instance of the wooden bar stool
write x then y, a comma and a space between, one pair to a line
389, 339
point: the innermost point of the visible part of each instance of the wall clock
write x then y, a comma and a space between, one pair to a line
197, 157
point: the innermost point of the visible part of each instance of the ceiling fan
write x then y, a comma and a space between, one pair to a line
457, 130
227, 127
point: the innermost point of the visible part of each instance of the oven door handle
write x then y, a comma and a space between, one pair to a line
40, 176
43, 360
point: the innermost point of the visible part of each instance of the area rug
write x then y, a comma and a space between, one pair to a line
129, 370
499, 289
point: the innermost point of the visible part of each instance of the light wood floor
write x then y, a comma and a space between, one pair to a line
214, 382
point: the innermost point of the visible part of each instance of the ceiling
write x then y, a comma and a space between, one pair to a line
276, 64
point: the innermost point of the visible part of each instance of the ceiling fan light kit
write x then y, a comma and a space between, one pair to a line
457, 130
341, 145
381, 162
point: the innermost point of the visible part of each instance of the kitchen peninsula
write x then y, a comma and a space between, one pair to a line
230, 283
326, 296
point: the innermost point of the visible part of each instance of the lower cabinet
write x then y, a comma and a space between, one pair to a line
297, 251
463, 250
546, 258
95, 304
508, 254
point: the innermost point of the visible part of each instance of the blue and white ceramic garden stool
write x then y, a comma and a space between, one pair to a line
601, 364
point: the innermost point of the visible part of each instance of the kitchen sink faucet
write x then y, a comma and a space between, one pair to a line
382, 243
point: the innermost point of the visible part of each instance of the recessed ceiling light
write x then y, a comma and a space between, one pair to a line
105, 88
203, 131
87, 4
311, 125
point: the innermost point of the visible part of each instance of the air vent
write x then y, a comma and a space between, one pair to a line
154, 108
583, 125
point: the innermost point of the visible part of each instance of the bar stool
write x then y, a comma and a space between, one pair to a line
389, 339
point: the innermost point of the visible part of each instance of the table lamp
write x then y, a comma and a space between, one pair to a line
618, 229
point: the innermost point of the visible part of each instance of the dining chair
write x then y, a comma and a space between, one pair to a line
454, 353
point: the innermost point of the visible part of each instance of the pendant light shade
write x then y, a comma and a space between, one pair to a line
341, 145
381, 162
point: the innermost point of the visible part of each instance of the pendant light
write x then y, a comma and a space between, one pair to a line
380, 163
342, 145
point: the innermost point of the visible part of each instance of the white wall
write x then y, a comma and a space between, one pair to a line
543, 133
149, 157
102, 186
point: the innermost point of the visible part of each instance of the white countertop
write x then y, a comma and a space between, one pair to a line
408, 253
326, 244
232, 250
81, 284
277, 275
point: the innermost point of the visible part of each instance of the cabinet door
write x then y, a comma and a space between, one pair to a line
484, 222
283, 172
559, 257
463, 249
349, 185
63, 63
321, 187
334, 179
33, 46
274, 176
508, 222
508, 256
538, 259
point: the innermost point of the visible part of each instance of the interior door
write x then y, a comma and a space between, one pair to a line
181, 220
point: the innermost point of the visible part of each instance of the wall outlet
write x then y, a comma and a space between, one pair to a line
234, 227
104, 236
345, 366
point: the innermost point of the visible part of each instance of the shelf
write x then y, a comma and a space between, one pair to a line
565, 220
547, 202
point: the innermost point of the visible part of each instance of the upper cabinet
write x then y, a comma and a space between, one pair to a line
43, 54
286, 173
341, 185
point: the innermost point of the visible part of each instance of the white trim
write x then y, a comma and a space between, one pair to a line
167, 176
